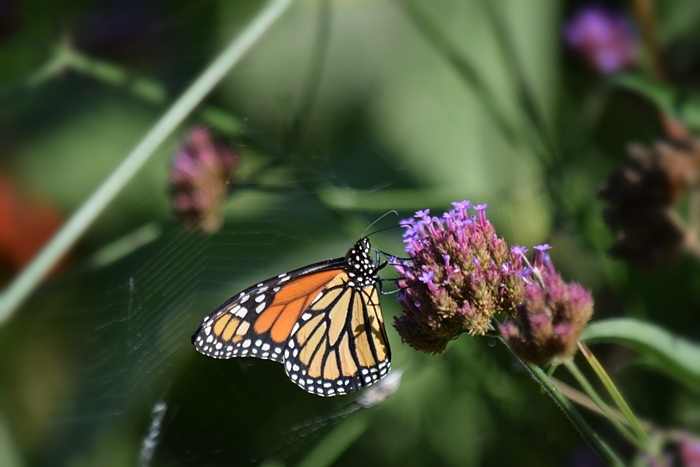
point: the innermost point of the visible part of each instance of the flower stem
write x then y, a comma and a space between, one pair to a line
584, 429
647, 21
31, 276
614, 393
588, 388
148, 90
145, 89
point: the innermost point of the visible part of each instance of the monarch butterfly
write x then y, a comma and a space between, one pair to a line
323, 322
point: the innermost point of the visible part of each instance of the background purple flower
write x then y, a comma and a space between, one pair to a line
199, 177
607, 40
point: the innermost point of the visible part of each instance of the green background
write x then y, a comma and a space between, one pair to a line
343, 111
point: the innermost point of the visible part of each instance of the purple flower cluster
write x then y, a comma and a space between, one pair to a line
689, 450
460, 275
199, 177
607, 40
550, 318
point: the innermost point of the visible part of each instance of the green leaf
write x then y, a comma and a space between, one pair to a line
675, 102
678, 357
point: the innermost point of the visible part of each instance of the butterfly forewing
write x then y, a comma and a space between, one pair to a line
323, 322
257, 322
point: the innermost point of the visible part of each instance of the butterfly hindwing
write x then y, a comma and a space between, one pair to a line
323, 322
340, 343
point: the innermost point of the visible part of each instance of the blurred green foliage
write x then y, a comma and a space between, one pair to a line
388, 122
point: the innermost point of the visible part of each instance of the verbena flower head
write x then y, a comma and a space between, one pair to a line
460, 275
607, 40
551, 317
199, 177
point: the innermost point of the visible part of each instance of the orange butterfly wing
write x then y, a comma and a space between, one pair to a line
323, 322
258, 321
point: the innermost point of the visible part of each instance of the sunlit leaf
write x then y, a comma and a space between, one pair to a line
675, 102
662, 350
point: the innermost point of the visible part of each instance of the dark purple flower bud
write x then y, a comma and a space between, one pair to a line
607, 40
644, 198
199, 176
550, 319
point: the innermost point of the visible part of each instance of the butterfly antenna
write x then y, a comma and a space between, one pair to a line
377, 220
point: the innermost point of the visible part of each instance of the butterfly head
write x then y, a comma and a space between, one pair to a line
361, 269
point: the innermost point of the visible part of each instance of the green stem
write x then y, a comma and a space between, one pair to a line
313, 82
614, 393
60, 58
588, 388
524, 92
31, 276
435, 34
344, 199
145, 89
109, 73
646, 20
584, 429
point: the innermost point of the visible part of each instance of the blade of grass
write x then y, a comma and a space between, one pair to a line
435, 35
588, 389
596, 442
315, 74
614, 393
525, 94
31, 276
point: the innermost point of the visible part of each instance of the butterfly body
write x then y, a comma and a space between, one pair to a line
323, 322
